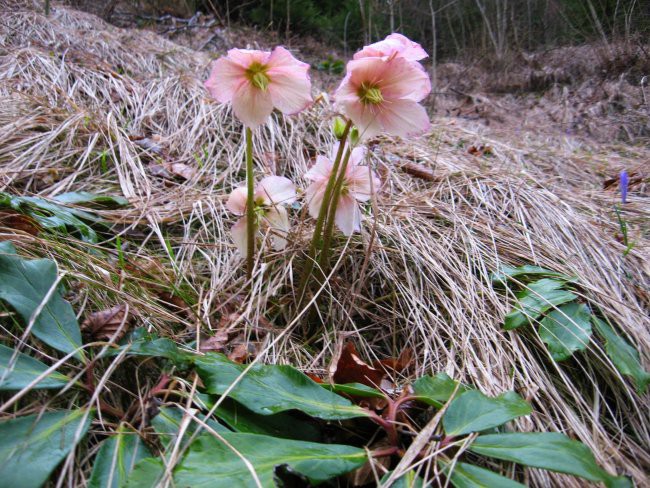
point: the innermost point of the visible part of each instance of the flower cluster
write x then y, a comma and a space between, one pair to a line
379, 94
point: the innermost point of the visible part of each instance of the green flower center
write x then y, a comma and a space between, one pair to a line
370, 94
256, 74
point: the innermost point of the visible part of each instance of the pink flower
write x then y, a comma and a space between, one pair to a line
257, 81
394, 45
270, 193
358, 185
381, 94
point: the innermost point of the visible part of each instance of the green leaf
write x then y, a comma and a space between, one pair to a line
566, 330
506, 272
146, 474
354, 389
77, 197
625, 357
436, 390
116, 458
24, 370
284, 424
210, 463
546, 450
52, 216
168, 423
32, 446
145, 344
469, 476
270, 389
539, 297
472, 411
25, 283
408, 480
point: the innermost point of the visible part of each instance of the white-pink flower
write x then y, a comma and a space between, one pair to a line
257, 81
358, 186
270, 194
394, 45
381, 94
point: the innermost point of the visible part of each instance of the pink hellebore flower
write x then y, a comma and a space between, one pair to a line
394, 45
358, 186
257, 81
270, 193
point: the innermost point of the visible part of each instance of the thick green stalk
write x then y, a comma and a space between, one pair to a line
250, 205
323, 259
322, 215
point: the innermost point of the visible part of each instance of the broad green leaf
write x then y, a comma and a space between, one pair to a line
147, 474
167, 424
284, 424
539, 297
354, 389
24, 370
469, 476
436, 390
32, 446
546, 450
77, 197
25, 283
625, 357
210, 463
52, 216
270, 389
116, 458
566, 330
472, 411
144, 344
506, 272
408, 480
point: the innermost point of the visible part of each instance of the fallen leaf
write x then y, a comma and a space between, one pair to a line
418, 170
215, 343
479, 150
165, 169
366, 474
350, 368
17, 221
398, 365
105, 323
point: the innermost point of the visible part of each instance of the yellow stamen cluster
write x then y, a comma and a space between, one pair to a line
256, 74
370, 94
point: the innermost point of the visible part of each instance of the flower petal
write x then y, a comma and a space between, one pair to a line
290, 86
314, 195
237, 200
404, 118
357, 156
321, 170
246, 57
276, 189
225, 79
277, 219
348, 215
364, 117
404, 79
362, 182
394, 45
239, 236
251, 105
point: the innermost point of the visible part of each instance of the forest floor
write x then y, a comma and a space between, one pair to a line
520, 168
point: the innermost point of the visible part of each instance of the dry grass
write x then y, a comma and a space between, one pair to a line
75, 91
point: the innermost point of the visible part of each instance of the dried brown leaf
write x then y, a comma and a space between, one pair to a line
105, 323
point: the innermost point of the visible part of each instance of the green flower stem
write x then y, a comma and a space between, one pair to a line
323, 259
250, 205
322, 215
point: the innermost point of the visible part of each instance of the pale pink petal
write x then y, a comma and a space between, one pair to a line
364, 117
246, 57
321, 170
402, 79
276, 189
357, 156
314, 195
394, 45
358, 179
277, 219
348, 215
289, 86
239, 236
237, 200
225, 79
251, 105
404, 118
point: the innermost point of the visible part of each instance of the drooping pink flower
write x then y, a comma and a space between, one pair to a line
394, 45
257, 81
270, 194
358, 186
381, 94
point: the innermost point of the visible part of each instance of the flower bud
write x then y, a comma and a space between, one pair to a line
354, 136
338, 128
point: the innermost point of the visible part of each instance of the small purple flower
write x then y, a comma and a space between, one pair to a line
625, 181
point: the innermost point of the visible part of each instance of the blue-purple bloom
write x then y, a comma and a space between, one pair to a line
625, 181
